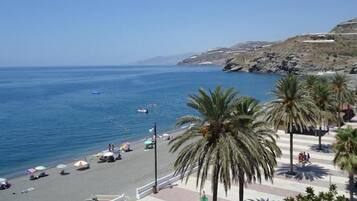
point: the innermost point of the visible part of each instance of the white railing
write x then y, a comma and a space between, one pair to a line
108, 198
162, 183
120, 198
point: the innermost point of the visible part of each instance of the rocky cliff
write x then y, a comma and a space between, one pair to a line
333, 51
218, 56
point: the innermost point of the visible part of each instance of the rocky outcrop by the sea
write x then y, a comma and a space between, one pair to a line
333, 51
219, 56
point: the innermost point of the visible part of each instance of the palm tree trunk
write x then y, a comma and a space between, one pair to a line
320, 132
351, 181
241, 187
215, 190
339, 111
215, 183
291, 153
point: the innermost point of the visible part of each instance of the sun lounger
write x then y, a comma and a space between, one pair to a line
102, 159
111, 159
33, 177
5, 185
42, 174
28, 190
63, 172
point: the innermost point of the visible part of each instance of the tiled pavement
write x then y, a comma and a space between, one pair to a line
319, 174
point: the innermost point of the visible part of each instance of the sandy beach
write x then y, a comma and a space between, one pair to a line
123, 176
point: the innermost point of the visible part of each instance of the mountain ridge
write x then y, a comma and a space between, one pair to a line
301, 54
218, 56
314, 52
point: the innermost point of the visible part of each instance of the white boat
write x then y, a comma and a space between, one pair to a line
95, 92
143, 110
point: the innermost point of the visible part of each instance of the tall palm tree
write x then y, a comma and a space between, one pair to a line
221, 142
346, 153
343, 94
323, 99
209, 142
248, 116
292, 108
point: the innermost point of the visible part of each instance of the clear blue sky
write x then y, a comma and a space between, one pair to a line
95, 32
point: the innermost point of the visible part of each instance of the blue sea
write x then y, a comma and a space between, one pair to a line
50, 114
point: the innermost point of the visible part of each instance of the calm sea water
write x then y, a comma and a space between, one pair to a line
48, 115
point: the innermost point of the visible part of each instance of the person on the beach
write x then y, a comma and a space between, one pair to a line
300, 157
109, 147
308, 157
203, 196
113, 146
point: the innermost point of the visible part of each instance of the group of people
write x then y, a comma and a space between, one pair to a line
4, 185
304, 158
111, 147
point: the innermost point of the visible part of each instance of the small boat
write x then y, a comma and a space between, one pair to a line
95, 92
143, 110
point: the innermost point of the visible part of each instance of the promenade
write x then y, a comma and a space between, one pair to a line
319, 175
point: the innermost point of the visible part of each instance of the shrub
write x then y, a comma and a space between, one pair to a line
310, 195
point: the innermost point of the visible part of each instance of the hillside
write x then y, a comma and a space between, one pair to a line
335, 51
163, 60
218, 56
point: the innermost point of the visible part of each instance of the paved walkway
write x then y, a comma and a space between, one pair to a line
319, 174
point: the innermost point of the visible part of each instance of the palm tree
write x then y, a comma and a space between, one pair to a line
208, 143
310, 82
248, 117
346, 153
291, 108
221, 141
322, 97
343, 94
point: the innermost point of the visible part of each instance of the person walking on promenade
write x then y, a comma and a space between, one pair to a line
203, 196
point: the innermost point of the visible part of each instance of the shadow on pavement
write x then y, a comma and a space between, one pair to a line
326, 148
309, 172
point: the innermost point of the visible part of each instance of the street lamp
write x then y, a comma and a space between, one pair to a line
155, 187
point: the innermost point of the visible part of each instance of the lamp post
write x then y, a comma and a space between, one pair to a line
155, 188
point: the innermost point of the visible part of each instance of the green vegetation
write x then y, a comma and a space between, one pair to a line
322, 97
292, 108
342, 94
310, 195
346, 153
223, 141
329, 98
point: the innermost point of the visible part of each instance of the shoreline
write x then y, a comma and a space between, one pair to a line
119, 177
83, 155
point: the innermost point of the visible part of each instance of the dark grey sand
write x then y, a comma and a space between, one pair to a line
124, 176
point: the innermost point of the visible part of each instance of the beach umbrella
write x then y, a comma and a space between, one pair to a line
166, 136
126, 146
147, 142
61, 166
40, 168
107, 154
31, 170
80, 163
